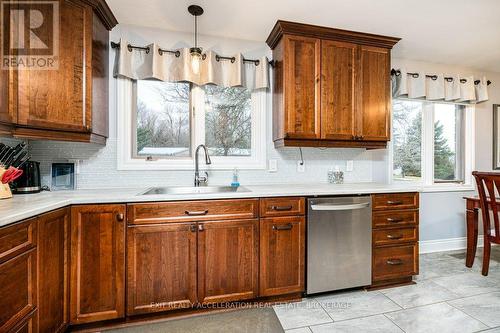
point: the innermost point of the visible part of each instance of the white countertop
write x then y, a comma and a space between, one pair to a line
29, 205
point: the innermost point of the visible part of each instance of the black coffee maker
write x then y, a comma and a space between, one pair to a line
29, 182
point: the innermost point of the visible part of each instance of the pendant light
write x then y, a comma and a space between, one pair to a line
196, 52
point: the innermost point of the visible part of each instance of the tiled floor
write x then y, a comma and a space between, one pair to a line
448, 297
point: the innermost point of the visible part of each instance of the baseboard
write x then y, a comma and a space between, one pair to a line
448, 244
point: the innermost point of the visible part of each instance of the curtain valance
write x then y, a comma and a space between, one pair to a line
153, 63
436, 87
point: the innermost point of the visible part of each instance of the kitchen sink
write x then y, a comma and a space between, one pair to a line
193, 190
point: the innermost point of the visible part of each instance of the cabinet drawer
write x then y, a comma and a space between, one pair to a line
17, 239
393, 218
181, 211
395, 236
395, 262
18, 289
270, 207
395, 201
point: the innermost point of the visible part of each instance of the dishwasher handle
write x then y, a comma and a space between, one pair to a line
330, 206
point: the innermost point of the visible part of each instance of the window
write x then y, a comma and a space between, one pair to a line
162, 120
169, 120
432, 142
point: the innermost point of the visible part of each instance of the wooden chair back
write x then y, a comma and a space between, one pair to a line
488, 185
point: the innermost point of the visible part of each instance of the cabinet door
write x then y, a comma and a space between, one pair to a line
97, 290
375, 99
282, 255
302, 87
53, 270
161, 267
228, 260
17, 289
338, 61
61, 98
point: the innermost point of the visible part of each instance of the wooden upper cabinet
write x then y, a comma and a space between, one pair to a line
338, 61
302, 87
375, 99
331, 87
161, 267
69, 102
53, 271
97, 256
228, 260
56, 99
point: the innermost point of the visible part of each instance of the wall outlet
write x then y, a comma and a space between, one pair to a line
349, 166
301, 166
273, 166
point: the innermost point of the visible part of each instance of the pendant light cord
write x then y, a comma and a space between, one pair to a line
195, 31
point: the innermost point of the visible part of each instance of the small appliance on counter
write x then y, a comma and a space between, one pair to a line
29, 182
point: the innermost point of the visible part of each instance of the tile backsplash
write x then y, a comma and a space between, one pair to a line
98, 166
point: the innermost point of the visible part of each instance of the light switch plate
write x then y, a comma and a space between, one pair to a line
273, 166
349, 165
301, 166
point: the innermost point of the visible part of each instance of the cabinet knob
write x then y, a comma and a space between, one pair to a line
120, 217
200, 227
192, 228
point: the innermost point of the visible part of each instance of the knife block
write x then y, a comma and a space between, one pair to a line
5, 192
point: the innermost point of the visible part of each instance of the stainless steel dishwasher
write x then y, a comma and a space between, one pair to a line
339, 243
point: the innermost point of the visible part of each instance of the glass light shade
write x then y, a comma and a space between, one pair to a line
195, 59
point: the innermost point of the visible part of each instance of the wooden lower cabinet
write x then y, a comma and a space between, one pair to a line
282, 255
18, 289
53, 270
161, 267
97, 274
228, 260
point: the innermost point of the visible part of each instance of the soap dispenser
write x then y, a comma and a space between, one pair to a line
235, 182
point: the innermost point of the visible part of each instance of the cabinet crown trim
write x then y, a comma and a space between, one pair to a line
103, 11
309, 30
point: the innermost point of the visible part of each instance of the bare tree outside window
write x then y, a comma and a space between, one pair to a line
163, 119
228, 122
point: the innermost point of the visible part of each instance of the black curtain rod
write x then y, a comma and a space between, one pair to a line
435, 77
177, 53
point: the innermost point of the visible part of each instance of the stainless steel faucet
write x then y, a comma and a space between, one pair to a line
200, 181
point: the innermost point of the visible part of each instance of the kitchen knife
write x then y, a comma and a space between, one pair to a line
15, 163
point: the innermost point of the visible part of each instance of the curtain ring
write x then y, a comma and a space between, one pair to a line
129, 47
434, 77
233, 59
257, 62
448, 79
160, 52
203, 56
414, 75
147, 50
177, 54
463, 80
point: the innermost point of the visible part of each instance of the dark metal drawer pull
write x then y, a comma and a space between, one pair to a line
288, 226
281, 208
192, 228
394, 262
394, 236
396, 202
392, 220
201, 212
